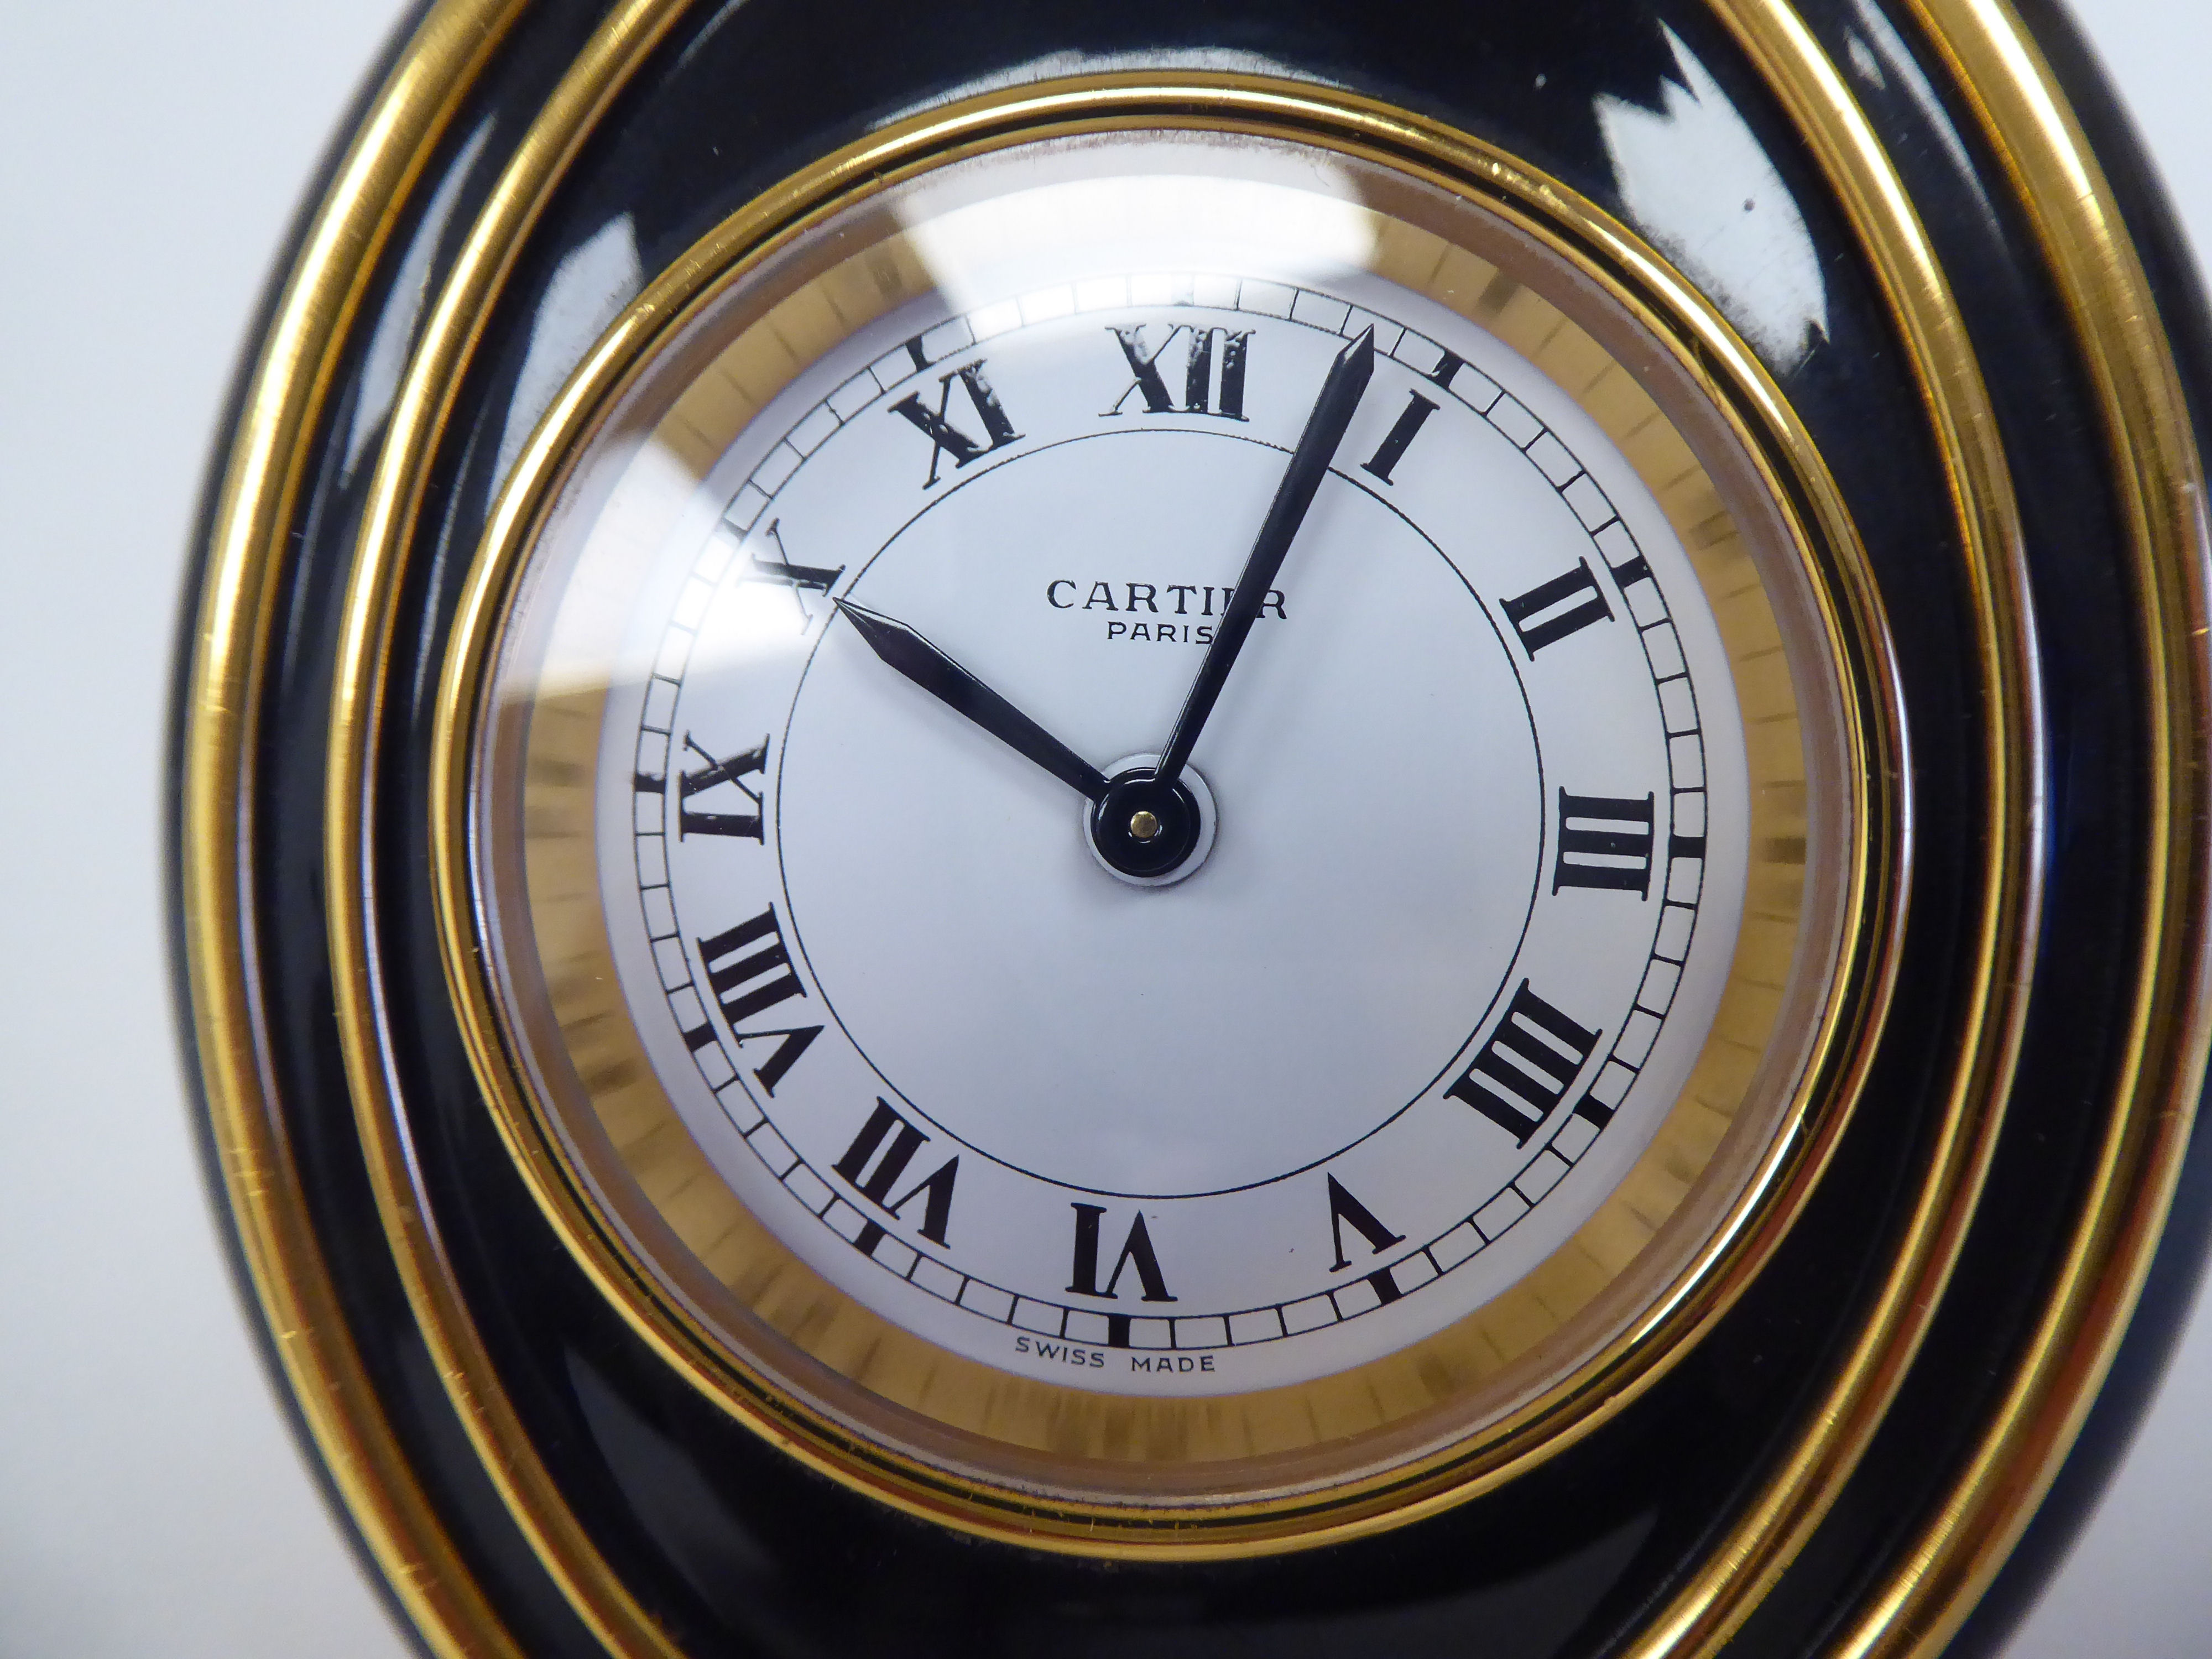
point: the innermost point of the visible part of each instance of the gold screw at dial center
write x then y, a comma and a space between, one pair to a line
1144, 826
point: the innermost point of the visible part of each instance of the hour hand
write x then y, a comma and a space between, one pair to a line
960, 690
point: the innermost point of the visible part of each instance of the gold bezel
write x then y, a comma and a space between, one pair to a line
1286, 1501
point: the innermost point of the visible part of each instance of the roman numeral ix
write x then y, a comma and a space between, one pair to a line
1200, 393
890, 1163
1136, 1252
1604, 843
1519, 1076
735, 770
749, 972
946, 438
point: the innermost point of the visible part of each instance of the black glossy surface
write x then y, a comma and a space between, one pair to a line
2183, 1251
294, 960
2097, 769
737, 1549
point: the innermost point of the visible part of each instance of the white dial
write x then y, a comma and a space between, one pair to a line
1473, 839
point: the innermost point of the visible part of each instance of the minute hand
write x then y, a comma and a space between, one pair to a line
1332, 413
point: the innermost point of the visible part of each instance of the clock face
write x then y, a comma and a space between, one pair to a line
1155, 778
1454, 917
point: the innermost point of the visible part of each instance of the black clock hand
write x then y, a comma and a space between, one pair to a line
960, 690
1332, 412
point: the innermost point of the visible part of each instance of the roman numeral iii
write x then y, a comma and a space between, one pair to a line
1136, 1252
875, 1168
1200, 394
749, 972
946, 437
1604, 843
1519, 1076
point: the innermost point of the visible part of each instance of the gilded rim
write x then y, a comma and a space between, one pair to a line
1734, 382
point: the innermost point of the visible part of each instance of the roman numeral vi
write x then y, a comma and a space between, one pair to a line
1136, 1252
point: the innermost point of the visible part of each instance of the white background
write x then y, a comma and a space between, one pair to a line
152, 1500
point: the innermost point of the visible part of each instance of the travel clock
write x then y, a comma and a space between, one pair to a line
1234, 831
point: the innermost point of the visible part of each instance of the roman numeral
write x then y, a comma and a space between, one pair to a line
800, 579
750, 981
734, 770
1604, 843
1551, 611
947, 439
1417, 411
1520, 1074
748, 984
1229, 404
791, 1041
1200, 393
1343, 1208
1136, 1252
875, 1184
